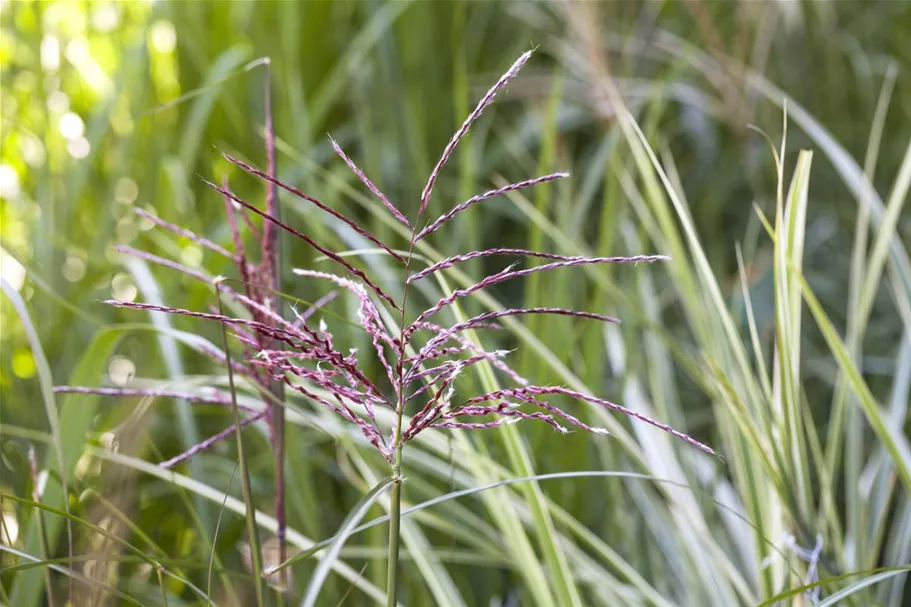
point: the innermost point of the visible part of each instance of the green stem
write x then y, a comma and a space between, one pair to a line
395, 510
255, 554
392, 569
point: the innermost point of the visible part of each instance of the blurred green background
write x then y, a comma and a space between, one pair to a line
107, 107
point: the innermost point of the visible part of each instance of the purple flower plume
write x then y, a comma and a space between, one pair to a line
331, 255
472, 117
451, 261
341, 217
370, 186
509, 273
285, 352
433, 227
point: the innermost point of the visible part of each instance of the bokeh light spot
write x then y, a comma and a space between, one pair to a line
164, 38
121, 370
23, 363
71, 126
122, 287
73, 269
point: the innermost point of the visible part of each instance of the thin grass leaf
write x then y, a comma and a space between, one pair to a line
235, 505
45, 549
77, 415
46, 382
451, 261
875, 576
221, 511
892, 440
74, 575
351, 521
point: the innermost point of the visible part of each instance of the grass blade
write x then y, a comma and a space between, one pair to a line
50, 407
354, 517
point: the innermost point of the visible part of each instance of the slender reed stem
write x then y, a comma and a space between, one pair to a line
255, 554
392, 566
272, 250
161, 586
395, 514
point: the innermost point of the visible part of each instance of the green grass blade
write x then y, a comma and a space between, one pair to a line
74, 575
354, 517
170, 355
874, 575
237, 506
891, 438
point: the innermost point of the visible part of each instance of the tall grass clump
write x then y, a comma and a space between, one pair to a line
421, 350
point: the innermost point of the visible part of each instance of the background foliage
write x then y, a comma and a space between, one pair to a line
107, 107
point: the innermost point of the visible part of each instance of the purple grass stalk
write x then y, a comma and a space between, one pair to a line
341, 217
333, 256
482, 318
270, 233
456, 365
320, 303
161, 261
366, 181
466, 344
240, 255
437, 374
435, 371
504, 409
232, 223
472, 117
322, 378
270, 263
246, 340
509, 273
437, 353
221, 359
476, 425
547, 390
213, 398
367, 314
245, 215
433, 227
451, 261
555, 411
282, 335
434, 405
274, 333
369, 431
211, 441
203, 242
338, 391
253, 305
281, 355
